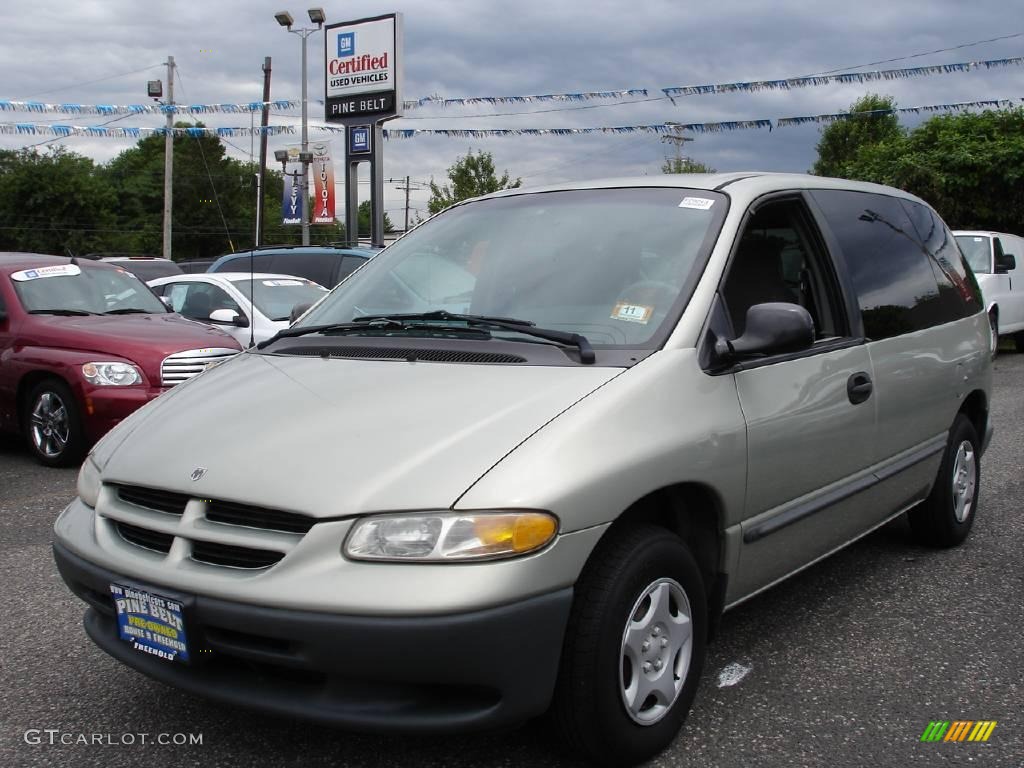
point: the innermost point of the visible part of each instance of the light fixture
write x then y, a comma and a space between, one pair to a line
284, 19
305, 157
316, 15
281, 155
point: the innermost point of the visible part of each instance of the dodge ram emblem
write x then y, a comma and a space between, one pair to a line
197, 473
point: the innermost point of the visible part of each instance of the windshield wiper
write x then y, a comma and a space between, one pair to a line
418, 322
129, 311
290, 333
63, 312
526, 327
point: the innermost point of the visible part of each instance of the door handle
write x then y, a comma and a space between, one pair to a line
859, 387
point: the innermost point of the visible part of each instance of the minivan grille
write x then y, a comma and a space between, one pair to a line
150, 498
232, 556
257, 517
143, 537
182, 366
405, 353
245, 536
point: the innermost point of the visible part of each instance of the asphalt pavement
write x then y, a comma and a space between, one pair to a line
843, 665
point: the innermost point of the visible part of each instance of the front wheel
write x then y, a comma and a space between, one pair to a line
634, 648
52, 424
944, 519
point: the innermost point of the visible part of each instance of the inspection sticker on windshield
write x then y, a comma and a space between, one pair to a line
700, 203
274, 283
632, 313
57, 270
152, 624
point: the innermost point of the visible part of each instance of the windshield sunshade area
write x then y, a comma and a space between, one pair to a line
277, 296
73, 290
612, 265
978, 252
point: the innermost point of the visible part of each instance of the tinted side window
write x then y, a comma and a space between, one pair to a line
260, 263
349, 264
959, 294
317, 267
890, 271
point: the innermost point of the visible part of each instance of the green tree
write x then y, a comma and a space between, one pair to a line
685, 165
842, 141
969, 166
470, 176
53, 202
364, 220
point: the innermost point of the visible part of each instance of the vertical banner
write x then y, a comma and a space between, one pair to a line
293, 196
323, 182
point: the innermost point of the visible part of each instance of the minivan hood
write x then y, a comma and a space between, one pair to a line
333, 437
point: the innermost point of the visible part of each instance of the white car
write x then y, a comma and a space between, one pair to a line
993, 258
223, 299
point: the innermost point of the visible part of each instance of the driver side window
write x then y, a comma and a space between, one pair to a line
779, 258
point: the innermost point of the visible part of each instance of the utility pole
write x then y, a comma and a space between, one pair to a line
264, 122
678, 139
169, 160
406, 187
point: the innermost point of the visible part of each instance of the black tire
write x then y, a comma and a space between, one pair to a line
589, 707
52, 425
1018, 340
939, 520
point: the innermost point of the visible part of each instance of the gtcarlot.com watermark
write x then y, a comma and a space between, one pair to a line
55, 736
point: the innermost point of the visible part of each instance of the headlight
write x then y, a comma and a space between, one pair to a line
450, 536
111, 374
89, 482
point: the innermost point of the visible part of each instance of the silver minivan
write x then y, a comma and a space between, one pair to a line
993, 258
524, 458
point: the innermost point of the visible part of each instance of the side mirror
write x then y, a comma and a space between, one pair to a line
772, 328
1005, 263
298, 311
3, 314
229, 317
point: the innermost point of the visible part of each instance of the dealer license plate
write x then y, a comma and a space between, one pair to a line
151, 623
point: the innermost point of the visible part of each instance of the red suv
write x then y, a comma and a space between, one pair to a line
82, 345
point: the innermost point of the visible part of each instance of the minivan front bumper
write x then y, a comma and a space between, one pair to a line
476, 670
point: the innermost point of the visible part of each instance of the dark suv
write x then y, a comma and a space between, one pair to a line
321, 264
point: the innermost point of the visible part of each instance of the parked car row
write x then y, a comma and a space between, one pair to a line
83, 344
524, 459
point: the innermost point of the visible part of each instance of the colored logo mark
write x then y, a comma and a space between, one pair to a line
346, 44
958, 730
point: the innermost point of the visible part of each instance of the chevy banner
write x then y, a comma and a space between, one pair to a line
293, 196
323, 182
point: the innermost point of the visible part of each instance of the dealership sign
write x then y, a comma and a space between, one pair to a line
363, 68
292, 200
323, 182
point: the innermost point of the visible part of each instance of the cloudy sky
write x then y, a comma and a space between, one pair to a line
103, 51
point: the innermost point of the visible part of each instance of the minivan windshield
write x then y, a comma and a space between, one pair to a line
613, 265
978, 252
84, 290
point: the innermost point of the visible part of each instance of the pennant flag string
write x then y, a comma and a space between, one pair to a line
8, 105
479, 133
847, 77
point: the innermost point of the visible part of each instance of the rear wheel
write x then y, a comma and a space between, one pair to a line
944, 519
1018, 340
634, 648
52, 424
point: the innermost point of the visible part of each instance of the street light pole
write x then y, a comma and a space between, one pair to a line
316, 15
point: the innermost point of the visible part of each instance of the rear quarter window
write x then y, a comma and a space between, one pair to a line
888, 265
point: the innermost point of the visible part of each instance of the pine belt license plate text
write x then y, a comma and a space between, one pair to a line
151, 623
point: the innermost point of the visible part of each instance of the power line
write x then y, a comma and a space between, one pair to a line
917, 55
90, 82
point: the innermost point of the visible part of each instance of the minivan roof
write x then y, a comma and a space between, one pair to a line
745, 184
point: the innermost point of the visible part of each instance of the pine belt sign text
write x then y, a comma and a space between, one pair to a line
362, 68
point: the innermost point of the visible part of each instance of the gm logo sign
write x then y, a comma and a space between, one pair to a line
359, 140
346, 44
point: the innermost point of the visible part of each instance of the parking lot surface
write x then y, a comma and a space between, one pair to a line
843, 665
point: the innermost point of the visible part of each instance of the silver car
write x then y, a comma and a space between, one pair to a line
525, 458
